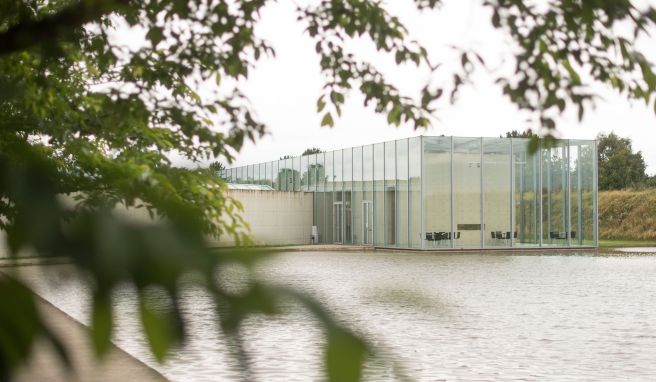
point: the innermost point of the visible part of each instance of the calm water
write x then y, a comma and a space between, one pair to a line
444, 317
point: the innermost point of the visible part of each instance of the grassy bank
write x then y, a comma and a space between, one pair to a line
626, 243
627, 216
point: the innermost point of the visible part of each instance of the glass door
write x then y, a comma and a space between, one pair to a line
367, 222
338, 220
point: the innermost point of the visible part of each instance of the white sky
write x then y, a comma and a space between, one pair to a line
284, 90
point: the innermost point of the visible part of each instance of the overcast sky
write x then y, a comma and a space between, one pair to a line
284, 90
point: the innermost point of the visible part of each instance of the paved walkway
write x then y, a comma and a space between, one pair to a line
45, 365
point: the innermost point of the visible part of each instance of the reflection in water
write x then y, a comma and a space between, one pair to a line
443, 316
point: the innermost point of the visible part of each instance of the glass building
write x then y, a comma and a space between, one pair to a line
445, 192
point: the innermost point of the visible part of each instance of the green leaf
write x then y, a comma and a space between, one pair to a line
327, 120
394, 116
345, 355
321, 104
572, 73
158, 328
101, 323
155, 35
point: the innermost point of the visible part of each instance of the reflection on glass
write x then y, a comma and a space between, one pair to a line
347, 170
496, 173
402, 193
358, 189
379, 194
414, 174
526, 213
437, 192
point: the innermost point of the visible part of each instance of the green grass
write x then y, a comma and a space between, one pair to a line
626, 243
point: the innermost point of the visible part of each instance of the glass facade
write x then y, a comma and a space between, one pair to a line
445, 192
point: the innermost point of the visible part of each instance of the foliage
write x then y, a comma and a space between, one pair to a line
516, 134
216, 169
89, 124
619, 166
312, 150
216, 166
627, 215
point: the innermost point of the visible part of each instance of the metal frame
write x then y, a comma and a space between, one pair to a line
422, 179
452, 198
482, 191
595, 189
512, 194
569, 198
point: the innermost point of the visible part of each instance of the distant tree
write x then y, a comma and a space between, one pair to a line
650, 182
216, 169
217, 166
619, 166
516, 134
312, 150
286, 157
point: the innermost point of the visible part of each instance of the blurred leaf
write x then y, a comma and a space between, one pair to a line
19, 322
345, 355
159, 329
327, 120
101, 323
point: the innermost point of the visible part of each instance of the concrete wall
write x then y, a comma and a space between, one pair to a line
275, 217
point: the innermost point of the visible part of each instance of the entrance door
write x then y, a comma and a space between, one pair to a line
338, 222
367, 222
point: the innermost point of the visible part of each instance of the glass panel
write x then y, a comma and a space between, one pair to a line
390, 194
496, 192
437, 191
402, 193
319, 199
312, 172
330, 184
358, 188
269, 176
575, 196
240, 175
414, 167
338, 175
467, 192
297, 173
337, 196
304, 173
368, 195
526, 189
347, 170
262, 178
584, 177
338, 219
379, 194
275, 173
287, 176
554, 195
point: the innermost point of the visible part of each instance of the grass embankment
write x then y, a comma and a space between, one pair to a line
627, 218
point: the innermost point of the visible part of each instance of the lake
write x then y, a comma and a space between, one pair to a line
442, 316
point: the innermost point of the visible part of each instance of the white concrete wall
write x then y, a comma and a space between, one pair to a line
275, 217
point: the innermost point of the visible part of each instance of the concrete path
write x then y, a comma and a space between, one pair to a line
45, 365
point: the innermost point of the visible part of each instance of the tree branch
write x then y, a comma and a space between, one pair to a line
31, 32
